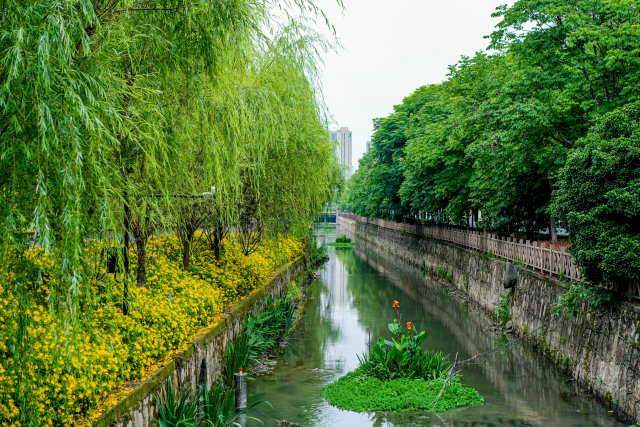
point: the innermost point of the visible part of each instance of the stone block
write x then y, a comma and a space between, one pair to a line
510, 275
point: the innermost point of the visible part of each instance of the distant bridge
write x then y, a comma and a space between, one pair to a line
329, 215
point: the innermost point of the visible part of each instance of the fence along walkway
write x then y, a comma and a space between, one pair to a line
554, 261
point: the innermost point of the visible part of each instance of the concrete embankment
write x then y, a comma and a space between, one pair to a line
600, 348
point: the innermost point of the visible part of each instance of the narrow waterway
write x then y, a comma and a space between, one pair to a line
350, 305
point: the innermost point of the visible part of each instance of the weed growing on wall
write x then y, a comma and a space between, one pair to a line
443, 272
580, 293
503, 309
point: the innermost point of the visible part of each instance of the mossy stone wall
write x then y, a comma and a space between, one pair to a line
600, 348
205, 353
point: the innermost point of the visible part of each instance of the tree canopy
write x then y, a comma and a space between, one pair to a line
490, 146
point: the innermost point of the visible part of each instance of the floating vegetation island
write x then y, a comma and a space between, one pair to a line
359, 393
342, 242
398, 375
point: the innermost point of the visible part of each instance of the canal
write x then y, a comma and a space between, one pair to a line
349, 306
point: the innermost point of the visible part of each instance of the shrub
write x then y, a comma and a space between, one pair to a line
112, 348
503, 309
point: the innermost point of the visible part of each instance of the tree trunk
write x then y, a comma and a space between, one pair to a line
552, 229
552, 220
127, 226
217, 241
186, 249
142, 261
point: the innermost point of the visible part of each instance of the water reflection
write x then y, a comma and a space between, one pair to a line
350, 305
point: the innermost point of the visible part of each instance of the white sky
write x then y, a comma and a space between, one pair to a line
391, 48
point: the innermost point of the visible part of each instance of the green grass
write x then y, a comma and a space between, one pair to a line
327, 228
355, 393
341, 245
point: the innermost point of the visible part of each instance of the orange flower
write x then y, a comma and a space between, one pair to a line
410, 325
396, 305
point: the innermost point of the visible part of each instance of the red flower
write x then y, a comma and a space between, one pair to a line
396, 305
410, 325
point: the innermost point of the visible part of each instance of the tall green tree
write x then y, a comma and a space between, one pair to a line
598, 196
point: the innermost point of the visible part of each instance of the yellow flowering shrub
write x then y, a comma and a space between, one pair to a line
66, 373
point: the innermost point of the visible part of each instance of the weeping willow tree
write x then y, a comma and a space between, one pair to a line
109, 109
274, 161
293, 173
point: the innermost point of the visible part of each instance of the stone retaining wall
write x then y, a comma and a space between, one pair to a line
201, 362
600, 347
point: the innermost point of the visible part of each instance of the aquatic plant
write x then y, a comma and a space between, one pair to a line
402, 356
176, 412
262, 331
342, 242
213, 408
398, 375
343, 239
355, 393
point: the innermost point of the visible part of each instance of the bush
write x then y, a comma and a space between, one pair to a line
598, 197
503, 309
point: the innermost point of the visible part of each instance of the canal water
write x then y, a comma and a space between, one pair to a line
351, 305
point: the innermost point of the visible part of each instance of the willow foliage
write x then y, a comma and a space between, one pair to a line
109, 109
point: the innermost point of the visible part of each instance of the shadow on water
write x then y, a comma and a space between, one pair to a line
350, 305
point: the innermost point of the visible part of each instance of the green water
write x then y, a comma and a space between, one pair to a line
351, 305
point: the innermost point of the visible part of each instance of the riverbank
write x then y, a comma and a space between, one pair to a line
202, 362
599, 348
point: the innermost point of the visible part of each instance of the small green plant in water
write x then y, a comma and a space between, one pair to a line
217, 409
354, 393
177, 411
343, 239
262, 331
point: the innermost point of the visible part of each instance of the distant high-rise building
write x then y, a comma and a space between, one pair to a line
368, 146
343, 149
